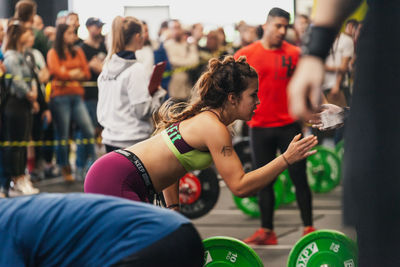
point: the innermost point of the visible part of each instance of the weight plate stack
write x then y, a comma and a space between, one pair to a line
339, 149
323, 170
249, 205
289, 191
227, 251
189, 189
199, 205
324, 248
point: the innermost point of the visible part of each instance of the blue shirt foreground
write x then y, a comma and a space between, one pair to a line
78, 229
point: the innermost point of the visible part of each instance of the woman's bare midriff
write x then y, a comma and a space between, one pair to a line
161, 164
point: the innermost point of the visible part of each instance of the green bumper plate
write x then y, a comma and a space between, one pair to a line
323, 170
249, 205
228, 251
339, 149
289, 191
324, 248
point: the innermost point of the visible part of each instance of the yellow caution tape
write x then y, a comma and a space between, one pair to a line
9, 76
84, 141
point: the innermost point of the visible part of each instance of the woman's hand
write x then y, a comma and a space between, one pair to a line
96, 65
160, 92
76, 74
177, 209
2, 68
32, 96
44, 75
35, 107
47, 114
300, 149
335, 90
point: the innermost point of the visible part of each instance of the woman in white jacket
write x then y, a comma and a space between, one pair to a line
125, 105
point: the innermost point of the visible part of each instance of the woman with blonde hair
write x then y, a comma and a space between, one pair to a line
125, 105
191, 137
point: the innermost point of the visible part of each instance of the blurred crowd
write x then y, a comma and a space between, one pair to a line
50, 89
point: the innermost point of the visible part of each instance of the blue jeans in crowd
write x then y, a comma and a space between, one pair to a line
85, 156
66, 109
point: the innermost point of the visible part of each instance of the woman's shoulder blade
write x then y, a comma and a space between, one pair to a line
207, 123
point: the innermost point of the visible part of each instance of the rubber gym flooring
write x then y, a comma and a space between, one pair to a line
226, 220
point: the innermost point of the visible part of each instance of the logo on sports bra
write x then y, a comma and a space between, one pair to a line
173, 133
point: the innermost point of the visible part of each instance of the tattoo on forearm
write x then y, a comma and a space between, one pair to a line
227, 151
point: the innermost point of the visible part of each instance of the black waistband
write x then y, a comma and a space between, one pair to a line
151, 192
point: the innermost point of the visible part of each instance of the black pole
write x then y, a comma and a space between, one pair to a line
48, 10
7, 8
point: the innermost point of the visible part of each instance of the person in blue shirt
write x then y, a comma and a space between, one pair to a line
94, 230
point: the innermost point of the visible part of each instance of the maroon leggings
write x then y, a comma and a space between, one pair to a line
114, 175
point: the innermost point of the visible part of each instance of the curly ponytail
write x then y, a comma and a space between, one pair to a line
211, 91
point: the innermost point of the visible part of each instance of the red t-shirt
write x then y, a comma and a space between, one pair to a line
274, 68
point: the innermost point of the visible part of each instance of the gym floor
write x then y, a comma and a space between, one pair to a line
226, 220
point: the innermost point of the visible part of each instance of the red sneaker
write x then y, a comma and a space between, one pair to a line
260, 237
308, 229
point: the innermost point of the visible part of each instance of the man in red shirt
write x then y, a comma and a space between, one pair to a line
271, 127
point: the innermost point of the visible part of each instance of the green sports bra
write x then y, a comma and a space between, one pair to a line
190, 158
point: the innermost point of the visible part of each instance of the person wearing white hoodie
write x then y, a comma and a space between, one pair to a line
125, 105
